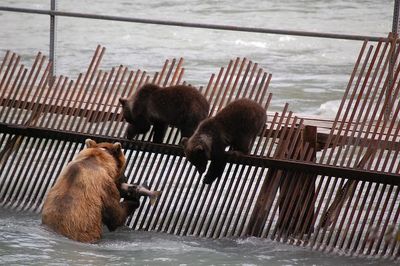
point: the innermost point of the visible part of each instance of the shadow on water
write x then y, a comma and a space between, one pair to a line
24, 241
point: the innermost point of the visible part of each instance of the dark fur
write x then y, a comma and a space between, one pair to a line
236, 125
86, 194
179, 106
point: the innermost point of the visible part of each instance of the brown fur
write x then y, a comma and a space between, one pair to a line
86, 194
179, 106
236, 125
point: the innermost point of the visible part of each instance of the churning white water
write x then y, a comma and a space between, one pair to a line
24, 241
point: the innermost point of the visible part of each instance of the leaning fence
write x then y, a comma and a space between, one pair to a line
327, 185
326, 189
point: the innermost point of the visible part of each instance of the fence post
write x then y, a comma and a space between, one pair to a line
273, 183
396, 22
52, 52
395, 31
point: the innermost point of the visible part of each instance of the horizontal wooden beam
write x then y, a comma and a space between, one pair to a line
101, 116
286, 164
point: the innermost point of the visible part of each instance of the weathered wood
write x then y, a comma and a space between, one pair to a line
279, 190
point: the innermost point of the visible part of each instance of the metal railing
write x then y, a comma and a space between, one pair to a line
54, 13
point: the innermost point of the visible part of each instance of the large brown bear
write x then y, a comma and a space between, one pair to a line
86, 194
236, 126
179, 106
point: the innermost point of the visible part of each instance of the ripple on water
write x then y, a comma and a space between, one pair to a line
24, 241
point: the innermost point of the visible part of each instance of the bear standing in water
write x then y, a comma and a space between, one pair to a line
180, 106
86, 194
236, 125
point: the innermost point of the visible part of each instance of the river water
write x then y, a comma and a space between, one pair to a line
308, 73
23, 241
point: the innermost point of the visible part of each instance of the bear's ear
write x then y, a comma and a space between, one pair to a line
184, 141
123, 101
117, 146
90, 143
116, 149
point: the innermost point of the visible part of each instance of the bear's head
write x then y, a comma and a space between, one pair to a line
115, 150
134, 110
197, 152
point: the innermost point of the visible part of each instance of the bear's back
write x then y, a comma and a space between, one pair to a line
73, 206
175, 103
241, 118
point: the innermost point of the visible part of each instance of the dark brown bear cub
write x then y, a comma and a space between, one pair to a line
180, 106
86, 194
236, 125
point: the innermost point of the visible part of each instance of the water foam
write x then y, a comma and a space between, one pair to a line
251, 44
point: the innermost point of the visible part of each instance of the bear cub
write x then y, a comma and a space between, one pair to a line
86, 194
180, 106
236, 126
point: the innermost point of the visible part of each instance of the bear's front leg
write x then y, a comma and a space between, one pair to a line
189, 128
114, 213
215, 170
130, 132
242, 146
159, 131
114, 217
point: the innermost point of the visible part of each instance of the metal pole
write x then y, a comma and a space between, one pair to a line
396, 21
195, 25
395, 31
52, 52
